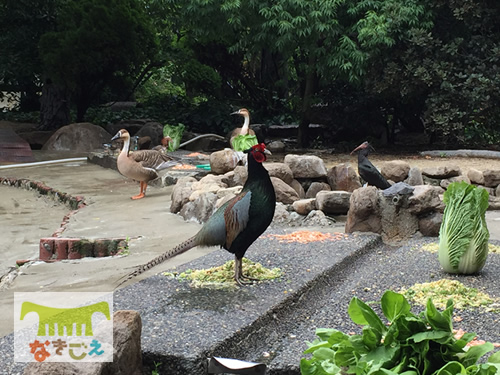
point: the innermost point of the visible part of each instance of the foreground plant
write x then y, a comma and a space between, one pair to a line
463, 236
411, 344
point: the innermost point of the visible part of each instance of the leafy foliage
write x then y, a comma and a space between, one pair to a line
96, 45
412, 344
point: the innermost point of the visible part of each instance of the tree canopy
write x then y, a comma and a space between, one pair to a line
361, 68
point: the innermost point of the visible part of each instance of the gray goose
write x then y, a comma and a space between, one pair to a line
142, 165
245, 129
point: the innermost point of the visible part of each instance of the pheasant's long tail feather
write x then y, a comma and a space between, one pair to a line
179, 249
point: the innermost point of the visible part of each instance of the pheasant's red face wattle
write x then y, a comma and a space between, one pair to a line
258, 152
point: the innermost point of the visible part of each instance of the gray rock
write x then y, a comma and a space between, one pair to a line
491, 178
83, 137
425, 198
447, 171
318, 218
280, 170
343, 177
475, 176
297, 186
364, 211
306, 166
415, 177
200, 209
430, 224
284, 192
181, 192
153, 130
304, 206
395, 170
276, 146
333, 202
399, 188
223, 161
316, 187
446, 182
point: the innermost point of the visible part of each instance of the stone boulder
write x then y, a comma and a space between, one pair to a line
297, 186
395, 170
223, 161
475, 176
491, 178
415, 177
200, 209
343, 177
371, 211
284, 192
446, 182
446, 171
181, 193
153, 130
333, 202
280, 170
316, 187
364, 211
304, 206
425, 199
430, 224
132, 126
306, 166
276, 147
83, 137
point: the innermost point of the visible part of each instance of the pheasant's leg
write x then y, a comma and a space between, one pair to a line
238, 273
143, 191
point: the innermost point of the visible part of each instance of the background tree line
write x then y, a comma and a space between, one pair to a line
361, 68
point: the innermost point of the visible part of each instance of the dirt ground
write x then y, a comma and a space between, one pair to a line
26, 217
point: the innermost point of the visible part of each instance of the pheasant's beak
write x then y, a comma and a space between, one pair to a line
117, 136
267, 152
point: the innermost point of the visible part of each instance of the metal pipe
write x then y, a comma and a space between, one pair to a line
46, 162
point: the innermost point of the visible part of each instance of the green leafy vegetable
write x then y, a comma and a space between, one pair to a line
174, 132
244, 142
463, 236
411, 344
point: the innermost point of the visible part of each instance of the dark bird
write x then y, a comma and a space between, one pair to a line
245, 129
141, 165
237, 223
367, 170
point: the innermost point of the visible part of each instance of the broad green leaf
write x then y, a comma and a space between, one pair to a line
437, 320
475, 352
363, 314
394, 305
452, 368
324, 354
494, 358
429, 335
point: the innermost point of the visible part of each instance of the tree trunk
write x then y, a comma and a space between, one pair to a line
309, 91
54, 107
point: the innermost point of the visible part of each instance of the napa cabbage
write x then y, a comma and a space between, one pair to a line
464, 235
174, 132
244, 142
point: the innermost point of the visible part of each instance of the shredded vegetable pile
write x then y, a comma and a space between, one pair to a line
196, 154
305, 236
184, 166
442, 290
225, 274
